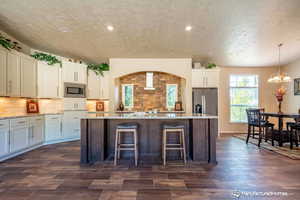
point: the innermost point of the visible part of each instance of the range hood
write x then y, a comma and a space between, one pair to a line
149, 81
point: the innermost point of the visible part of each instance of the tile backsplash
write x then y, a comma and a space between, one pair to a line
18, 105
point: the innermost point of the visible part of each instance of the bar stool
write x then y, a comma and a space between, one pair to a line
170, 147
126, 128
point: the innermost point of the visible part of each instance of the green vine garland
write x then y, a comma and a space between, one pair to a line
98, 68
6, 44
51, 60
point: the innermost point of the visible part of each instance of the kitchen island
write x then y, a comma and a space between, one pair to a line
98, 136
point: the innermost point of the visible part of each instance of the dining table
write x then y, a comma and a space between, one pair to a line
280, 116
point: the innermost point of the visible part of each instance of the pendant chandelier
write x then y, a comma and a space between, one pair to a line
280, 77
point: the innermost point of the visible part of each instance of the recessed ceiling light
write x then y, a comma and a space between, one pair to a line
110, 28
188, 28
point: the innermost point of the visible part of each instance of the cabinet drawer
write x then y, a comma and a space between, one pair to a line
4, 124
36, 121
19, 122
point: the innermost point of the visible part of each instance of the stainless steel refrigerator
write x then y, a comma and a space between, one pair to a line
207, 99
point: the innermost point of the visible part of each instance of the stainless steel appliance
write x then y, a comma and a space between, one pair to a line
74, 90
205, 101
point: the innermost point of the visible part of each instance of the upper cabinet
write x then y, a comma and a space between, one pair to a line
3, 56
94, 89
13, 74
48, 80
28, 76
74, 72
205, 78
104, 85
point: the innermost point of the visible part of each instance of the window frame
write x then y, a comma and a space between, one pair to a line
229, 90
176, 95
123, 95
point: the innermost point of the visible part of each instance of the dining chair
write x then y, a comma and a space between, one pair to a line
256, 120
293, 129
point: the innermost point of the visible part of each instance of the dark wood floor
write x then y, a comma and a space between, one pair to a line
53, 172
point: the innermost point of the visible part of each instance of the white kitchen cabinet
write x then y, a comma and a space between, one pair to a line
3, 57
104, 85
48, 80
93, 87
13, 74
19, 134
71, 124
53, 130
74, 104
205, 78
36, 130
74, 72
28, 76
4, 137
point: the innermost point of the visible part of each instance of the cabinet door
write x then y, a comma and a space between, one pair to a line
81, 73
198, 80
48, 80
36, 131
69, 72
3, 56
211, 79
104, 85
28, 77
71, 124
4, 142
53, 128
19, 139
13, 74
94, 90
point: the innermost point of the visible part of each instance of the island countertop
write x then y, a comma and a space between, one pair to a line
148, 116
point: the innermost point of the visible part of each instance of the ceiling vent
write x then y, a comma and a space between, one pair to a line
149, 81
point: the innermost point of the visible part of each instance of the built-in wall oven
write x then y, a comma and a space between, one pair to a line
74, 90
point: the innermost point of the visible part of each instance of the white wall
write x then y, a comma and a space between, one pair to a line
291, 103
181, 67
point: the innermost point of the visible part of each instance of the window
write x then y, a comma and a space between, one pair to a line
243, 95
171, 95
127, 95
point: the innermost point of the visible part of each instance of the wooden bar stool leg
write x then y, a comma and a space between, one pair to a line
116, 147
164, 147
135, 148
119, 143
183, 144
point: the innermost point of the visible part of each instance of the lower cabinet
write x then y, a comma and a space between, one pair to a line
71, 124
53, 128
19, 134
4, 137
36, 130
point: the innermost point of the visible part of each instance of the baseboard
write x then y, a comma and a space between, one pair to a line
35, 147
21, 152
232, 132
61, 141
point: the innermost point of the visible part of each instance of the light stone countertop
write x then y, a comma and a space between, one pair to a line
14, 115
147, 116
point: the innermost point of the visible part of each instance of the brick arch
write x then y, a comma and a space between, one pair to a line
145, 100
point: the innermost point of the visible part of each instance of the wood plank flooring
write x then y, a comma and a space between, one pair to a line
54, 172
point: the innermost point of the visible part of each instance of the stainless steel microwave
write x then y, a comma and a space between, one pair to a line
74, 90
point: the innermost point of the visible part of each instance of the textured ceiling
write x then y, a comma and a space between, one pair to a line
228, 32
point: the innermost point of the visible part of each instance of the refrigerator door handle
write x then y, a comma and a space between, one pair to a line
203, 104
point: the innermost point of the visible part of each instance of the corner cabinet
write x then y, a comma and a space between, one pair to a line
3, 57
48, 80
205, 78
74, 72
